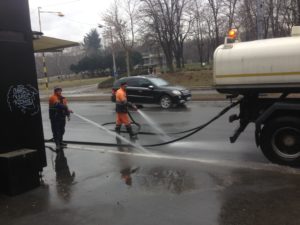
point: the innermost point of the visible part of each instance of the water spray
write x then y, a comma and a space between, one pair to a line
112, 133
154, 125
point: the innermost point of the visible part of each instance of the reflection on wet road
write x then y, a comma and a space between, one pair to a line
64, 178
201, 180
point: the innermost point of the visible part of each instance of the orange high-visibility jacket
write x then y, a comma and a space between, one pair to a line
58, 107
55, 99
121, 95
121, 108
121, 101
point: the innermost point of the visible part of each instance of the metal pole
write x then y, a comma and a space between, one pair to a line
113, 54
43, 54
39, 13
260, 18
112, 49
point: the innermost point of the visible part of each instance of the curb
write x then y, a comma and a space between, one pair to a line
196, 97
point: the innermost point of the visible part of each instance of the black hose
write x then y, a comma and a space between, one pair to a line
152, 133
193, 131
147, 133
95, 144
197, 129
49, 147
136, 123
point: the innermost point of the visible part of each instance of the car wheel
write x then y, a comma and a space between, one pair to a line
166, 102
280, 141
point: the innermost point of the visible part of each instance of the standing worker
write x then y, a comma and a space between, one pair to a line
122, 111
58, 112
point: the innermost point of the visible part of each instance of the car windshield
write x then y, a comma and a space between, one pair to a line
158, 82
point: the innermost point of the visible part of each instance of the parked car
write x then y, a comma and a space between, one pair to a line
152, 90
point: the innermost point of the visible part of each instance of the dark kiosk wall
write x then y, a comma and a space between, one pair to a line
20, 112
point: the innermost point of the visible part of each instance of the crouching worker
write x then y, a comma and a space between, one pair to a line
122, 111
58, 112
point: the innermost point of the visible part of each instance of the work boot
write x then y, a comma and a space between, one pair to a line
118, 129
58, 147
133, 136
118, 132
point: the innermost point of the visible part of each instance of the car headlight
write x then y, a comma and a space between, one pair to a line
175, 92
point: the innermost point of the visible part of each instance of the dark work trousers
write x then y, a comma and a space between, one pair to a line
58, 129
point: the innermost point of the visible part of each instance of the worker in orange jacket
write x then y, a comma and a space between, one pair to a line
58, 112
122, 111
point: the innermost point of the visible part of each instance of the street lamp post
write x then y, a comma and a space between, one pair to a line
60, 14
112, 50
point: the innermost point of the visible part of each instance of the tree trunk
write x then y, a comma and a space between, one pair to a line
169, 62
200, 50
160, 60
178, 60
181, 53
168, 50
217, 41
298, 13
182, 62
178, 53
128, 62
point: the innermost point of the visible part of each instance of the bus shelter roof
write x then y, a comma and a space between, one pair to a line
50, 44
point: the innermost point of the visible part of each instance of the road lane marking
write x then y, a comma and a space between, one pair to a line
225, 163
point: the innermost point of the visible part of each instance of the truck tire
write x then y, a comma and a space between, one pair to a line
280, 141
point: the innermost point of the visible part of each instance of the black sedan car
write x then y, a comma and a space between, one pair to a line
152, 90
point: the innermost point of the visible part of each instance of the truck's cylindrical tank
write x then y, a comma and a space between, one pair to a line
269, 65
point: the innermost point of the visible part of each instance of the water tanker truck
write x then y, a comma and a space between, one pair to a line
265, 76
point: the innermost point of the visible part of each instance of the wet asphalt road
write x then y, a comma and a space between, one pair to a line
201, 180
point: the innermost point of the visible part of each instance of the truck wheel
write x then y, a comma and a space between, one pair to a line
166, 102
280, 141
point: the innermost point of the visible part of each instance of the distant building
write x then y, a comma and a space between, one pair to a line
153, 60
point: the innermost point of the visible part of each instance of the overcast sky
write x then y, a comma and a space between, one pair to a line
80, 17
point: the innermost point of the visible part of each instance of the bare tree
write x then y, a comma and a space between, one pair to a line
298, 12
215, 8
122, 18
210, 32
288, 14
171, 22
199, 28
230, 11
247, 12
158, 17
213, 18
183, 22
59, 62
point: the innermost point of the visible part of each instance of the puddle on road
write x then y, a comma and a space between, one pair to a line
64, 177
171, 177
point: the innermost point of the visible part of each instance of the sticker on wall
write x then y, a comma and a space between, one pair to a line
23, 98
